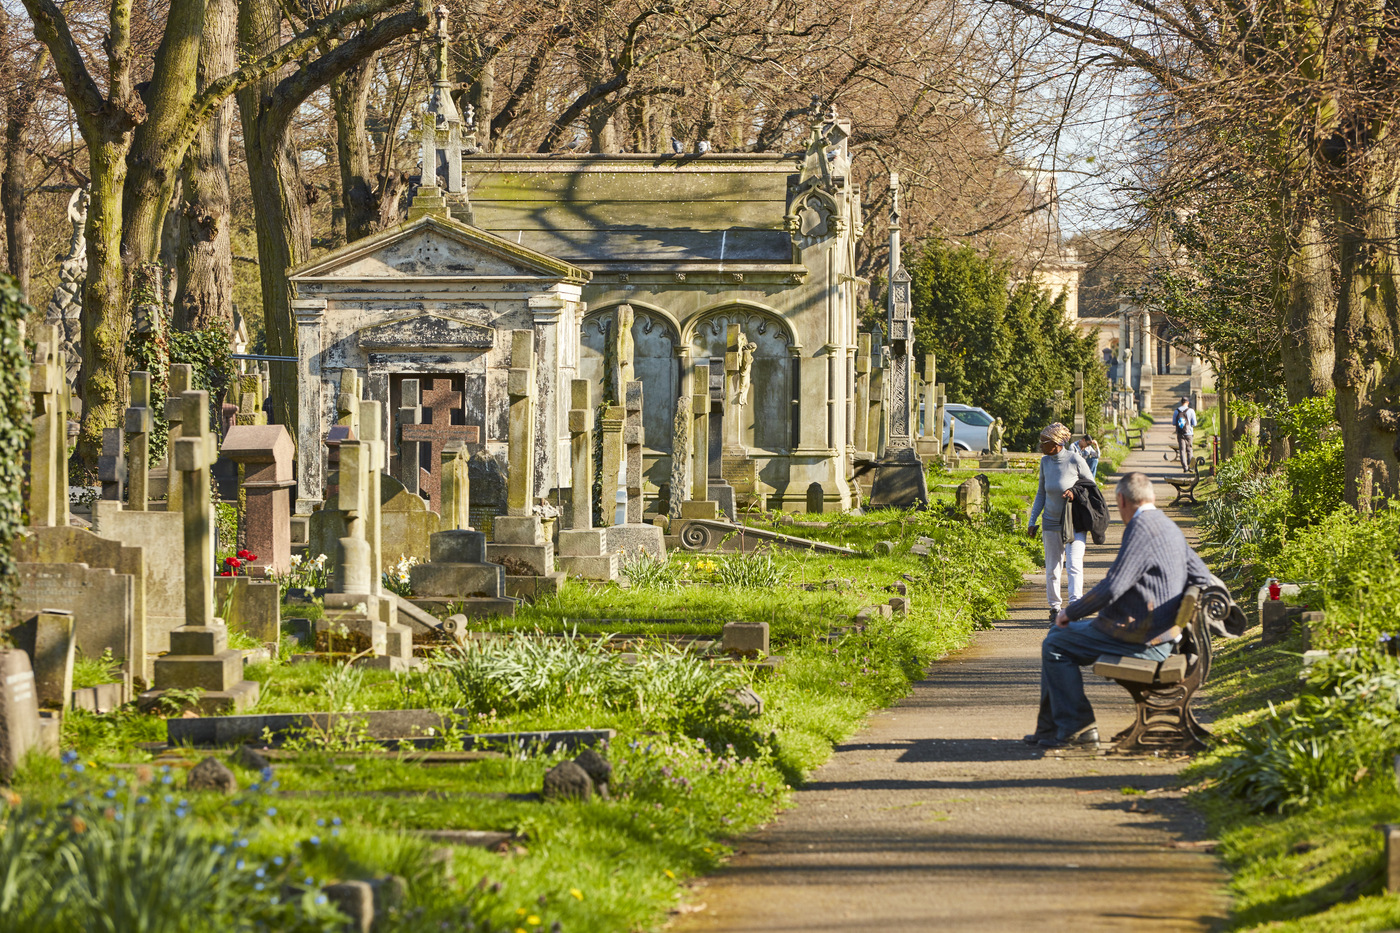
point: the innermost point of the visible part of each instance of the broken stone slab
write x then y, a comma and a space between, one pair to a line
211, 774
392, 726
899, 605
745, 639
354, 899
102, 698
19, 711
627, 541
48, 638
470, 838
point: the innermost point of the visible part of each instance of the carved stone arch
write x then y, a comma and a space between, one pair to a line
767, 421
656, 363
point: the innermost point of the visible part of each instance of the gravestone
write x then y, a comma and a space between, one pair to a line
1079, 422
932, 429
442, 422
252, 399
583, 549
140, 420
970, 498
251, 606
454, 487
611, 424
876, 422
458, 574
48, 446
633, 440
518, 540
899, 476
406, 524
181, 381
19, 711
681, 458
48, 638
265, 454
862, 426
160, 536
199, 655
111, 465
699, 504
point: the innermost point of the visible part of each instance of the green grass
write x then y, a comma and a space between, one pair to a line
685, 786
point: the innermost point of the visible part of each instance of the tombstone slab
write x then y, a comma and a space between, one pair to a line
101, 600
19, 711
251, 606
48, 640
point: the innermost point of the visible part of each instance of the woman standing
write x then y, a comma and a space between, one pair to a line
1060, 469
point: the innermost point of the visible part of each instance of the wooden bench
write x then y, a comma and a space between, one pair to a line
1133, 437
1162, 690
1186, 483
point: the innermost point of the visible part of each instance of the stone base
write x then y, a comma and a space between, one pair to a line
696, 508
461, 581
471, 608
591, 566
239, 696
211, 673
390, 663
535, 559
517, 529
583, 542
374, 634
630, 540
398, 642
532, 588
900, 482
723, 494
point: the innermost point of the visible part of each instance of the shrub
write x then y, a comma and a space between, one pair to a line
1348, 562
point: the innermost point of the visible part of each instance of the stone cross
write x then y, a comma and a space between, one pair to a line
581, 454
700, 433
455, 489
139, 421
1079, 421
48, 463
251, 396
681, 456
621, 352
191, 457
410, 413
632, 439
441, 401
613, 421
862, 426
931, 427
372, 444
735, 342
181, 381
520, 385
111, 465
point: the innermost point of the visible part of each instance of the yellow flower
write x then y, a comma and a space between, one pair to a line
521, 911
533, 920
670, 874
576, 893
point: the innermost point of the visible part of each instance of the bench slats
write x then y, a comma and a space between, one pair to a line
1141, 670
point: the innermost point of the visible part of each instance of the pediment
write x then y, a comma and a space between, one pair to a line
434, 248
427, 332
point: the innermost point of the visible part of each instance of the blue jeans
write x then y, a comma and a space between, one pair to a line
1064, 709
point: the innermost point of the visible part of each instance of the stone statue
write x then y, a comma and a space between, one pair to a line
994, 435
745, 376
65, 307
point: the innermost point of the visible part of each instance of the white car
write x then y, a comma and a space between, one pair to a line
968, 425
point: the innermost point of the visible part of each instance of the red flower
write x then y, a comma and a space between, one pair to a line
233, 562
245, 555
226, 573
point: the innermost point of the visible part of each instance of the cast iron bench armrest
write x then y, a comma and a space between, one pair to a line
1186, 483
1134, 436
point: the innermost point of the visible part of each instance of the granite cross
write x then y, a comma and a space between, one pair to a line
437, 426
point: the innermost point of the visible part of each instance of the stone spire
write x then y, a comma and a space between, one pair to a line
442, 129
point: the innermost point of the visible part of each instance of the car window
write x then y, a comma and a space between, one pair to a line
975, 418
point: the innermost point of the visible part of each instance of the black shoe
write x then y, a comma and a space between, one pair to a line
1054, 614
1035, 738
1089, 738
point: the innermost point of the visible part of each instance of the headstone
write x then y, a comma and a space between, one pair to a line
816, 498
409, 456
567, 781
48, 446
970, 500
633, 439
930, 379
1079, 423
251, 606
899, 477
583, 549
406, 522
876, 420
454, 488
699, 504
48, 639
440, 423
745, 639
265, 453
19, 711
111, 465
181, 381
862, 428
199, 655
140, 420
252, 396
682, 456
621, 354
611, 424
458, 573
160, 537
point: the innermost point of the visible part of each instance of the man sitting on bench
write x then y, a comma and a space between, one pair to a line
1136, 604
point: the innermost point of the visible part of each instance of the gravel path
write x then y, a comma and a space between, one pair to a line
936, 816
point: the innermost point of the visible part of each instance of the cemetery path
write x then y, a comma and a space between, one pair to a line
936, 816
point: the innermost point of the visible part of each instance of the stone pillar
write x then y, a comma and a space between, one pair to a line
899, 480
583, 549
1079, 419
265, 453
632, 438
621, 353
311, 427
699, 505
48, 475
931, 427
111, 465
191, 458
372, 440
614, 418
252, 394
139, 421
940, 414
353, 568
875, 421
455, 488
862, 435
181, 381
682, 456
732, 443
520, 487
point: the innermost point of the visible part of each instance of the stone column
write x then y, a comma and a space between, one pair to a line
311, 477
372, 440
181, 381
455, 488
621, 353
410, 412
583, 549
48, 480
681, 456
139, 421
733, 445
191, 458
520, 385
931, 428
265, 454
1079, 419
632, 438
111, 465
699, 505
875, 421
353, 568
862, 435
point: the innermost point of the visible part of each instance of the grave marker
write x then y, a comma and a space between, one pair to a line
520, 488
48, 639
140, 419
19, 711
265, 452
633, 439
48, 447
181, 381
434, 428
862, 435
583, 549
699, 505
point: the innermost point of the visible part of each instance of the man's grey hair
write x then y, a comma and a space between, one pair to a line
1136, 488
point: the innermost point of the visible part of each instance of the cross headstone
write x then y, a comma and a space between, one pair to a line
700, 433
612, 423
581, 453
632, 438
181, 381
520, 386
621, 352
1079, 420
439, 423
901, 368
191, 459
140, 419
347, 400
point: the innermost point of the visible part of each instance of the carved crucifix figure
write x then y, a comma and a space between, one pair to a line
441, 423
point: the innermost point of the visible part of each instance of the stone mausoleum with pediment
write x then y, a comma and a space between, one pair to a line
692, 245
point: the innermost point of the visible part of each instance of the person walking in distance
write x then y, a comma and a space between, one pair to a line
1060, 468
1184, 420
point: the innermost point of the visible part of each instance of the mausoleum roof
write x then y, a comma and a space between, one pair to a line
637, 213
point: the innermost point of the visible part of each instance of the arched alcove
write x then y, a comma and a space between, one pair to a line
767, 421
655, 363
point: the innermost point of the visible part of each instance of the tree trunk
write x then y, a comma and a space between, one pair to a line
1367, 372
13, 198
350, 96
204, 289
1308, 311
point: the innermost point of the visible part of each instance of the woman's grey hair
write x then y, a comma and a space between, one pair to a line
1136, 488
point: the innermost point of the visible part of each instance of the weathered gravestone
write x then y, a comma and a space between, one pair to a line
47, 638
264, 455
19, 711
425, 430
48, 446
160, 536
251, 606
699, 504
406, 524
583, 549
970, 501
